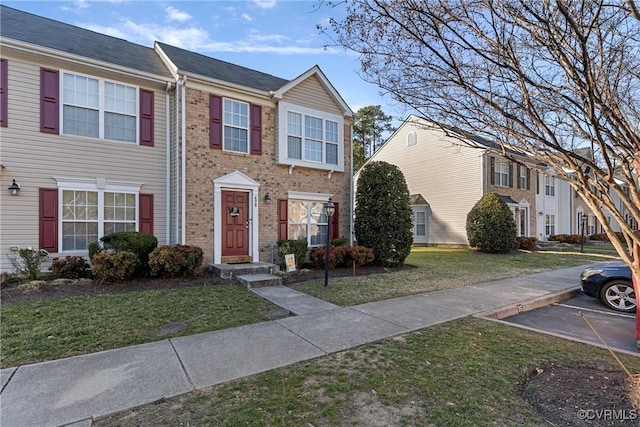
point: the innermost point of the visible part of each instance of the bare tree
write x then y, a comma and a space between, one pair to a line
549, 78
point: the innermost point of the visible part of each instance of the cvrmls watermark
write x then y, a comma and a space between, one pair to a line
607, 414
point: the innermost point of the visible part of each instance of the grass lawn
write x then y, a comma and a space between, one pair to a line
34, 331
461, 373
53, 328
438, 268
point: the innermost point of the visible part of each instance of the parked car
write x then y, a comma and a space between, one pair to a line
612, 284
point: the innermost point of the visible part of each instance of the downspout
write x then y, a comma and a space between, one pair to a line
183, 201
167, 204
351, 197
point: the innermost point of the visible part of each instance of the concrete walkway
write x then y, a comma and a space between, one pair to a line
75, 390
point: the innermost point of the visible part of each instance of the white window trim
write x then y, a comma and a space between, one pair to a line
499, 173
248, 128
283, 109
412, 138
101, 107
101, 186
549, 186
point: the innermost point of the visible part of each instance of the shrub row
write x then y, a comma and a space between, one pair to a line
341, 256
566, 238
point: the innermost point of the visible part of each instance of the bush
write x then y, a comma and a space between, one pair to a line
601, 237
360, 255
340, 241
70, 267
141, 244
383, 218
525, 243
296, 247
28, 261
94, 248
176, 261
490, 225
573, 239
317, 257
114, 266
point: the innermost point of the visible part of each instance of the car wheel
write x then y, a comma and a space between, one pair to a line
619, 295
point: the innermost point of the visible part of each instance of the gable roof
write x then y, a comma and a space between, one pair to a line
315, 70
195, 63
44, 32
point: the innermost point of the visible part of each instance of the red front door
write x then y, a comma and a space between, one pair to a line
235, 226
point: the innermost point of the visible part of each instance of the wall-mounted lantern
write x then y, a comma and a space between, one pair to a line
14, 188
267, 199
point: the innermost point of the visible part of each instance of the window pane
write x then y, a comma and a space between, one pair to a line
318, 235
80, 121
294, 121
313, 150
332, 154
235, 139
313, 127
120, 127
332, 131
297, 232
294, 147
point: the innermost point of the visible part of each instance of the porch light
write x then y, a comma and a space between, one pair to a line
329, 209
14, 188
267, 198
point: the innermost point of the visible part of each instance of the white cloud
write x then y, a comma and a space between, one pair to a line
265, 4
247, 17
174, 14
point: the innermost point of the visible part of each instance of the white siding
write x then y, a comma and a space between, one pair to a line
33, 159
445, 172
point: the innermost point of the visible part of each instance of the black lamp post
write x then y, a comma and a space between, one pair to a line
329, 209
583, 220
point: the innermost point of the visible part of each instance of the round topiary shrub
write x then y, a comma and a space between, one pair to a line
383, 213
141, 244
490, 225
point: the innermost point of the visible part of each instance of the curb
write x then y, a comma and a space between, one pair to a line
532, 304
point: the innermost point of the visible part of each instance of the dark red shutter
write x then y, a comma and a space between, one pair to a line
49, 219
256, 129
335, 223
4, 83
146, 117
492, 168
49, 94
215, 118
145, 217
283, 219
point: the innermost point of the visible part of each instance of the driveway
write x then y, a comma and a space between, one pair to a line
565, 319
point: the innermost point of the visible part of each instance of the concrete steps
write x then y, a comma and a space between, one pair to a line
251, 275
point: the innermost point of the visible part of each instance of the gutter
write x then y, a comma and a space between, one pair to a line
351, 196
183, 161
167, 203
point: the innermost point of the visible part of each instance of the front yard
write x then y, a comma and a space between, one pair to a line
55, 327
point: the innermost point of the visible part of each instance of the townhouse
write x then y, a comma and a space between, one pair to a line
103, 135
447, 176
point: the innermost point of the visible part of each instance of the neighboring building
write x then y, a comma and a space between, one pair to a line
275, 149
84, 133
103, 135
446, 178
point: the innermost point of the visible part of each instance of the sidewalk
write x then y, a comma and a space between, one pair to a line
75, 390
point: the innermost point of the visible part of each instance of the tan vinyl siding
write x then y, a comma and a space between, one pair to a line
447, 174
311, 93
33, 159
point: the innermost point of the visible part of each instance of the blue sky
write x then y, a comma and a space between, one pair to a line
276, 37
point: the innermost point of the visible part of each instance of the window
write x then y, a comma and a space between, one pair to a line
236, 126
99, 109
412, 138
88, 215
421, 223
307, 221
501, 173
550, 224
549, 186
522, 177
310, 138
